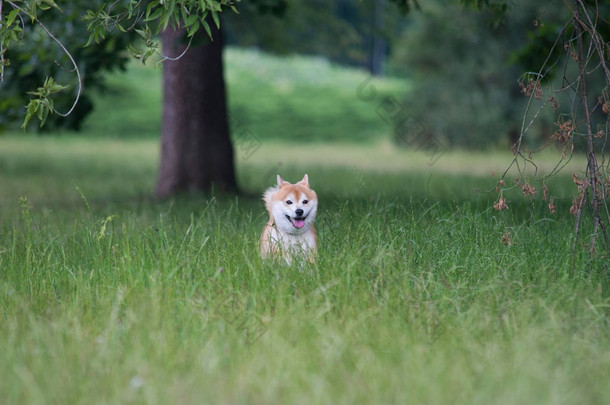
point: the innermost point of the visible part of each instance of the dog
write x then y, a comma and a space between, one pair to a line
289, 233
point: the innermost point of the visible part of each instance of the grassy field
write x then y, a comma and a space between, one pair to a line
108, 296
422, 293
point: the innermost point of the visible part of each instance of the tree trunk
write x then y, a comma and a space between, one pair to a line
196, 150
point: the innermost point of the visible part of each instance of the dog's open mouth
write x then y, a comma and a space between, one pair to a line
298, 222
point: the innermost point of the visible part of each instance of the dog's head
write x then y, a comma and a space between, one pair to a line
293, 206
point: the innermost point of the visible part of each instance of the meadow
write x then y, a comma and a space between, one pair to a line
422, 292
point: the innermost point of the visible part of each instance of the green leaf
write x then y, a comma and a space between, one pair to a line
11, 17
150, 8
153, 11
207, 29
51, 3
31, 109
184, 14
214, 5
215, 18
191, 19
170, 8
53, 87
42, 106
192, 29
145, 33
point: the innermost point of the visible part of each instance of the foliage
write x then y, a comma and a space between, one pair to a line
422, 294
76, 43
465, 73
565, 82
37, 106
36, 57
151, 17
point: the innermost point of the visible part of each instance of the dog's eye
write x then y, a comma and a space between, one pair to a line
305, 202
288, 202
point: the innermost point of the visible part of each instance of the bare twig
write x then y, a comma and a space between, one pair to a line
592, 169
588, 50
165, 57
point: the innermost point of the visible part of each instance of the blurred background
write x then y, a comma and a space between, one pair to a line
452, 67
363, 77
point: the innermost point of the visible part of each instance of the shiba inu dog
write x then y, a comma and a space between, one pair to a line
289, 233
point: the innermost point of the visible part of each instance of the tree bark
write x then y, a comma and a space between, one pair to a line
196, 149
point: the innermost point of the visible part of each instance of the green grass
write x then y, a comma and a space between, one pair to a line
296, 99
109, 296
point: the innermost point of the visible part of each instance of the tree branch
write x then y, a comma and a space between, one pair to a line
592, 169
61, 45
80, 83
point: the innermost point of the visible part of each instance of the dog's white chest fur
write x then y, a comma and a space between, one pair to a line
300, 244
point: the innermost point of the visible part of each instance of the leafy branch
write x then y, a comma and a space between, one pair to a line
42, 105
145, 18
11, 30
150, 18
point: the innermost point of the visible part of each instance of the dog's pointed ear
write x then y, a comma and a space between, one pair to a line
305, 180
280, 181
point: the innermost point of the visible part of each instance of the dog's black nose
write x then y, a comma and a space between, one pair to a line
299, 212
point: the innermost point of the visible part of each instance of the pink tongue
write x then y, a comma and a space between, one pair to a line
298, 223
